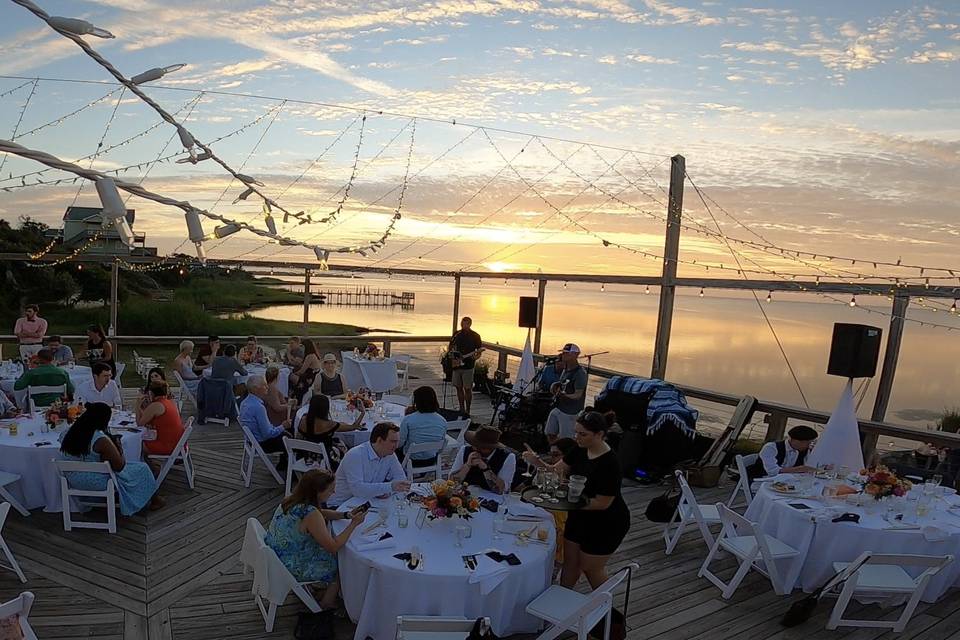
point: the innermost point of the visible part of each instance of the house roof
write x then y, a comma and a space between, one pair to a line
91, 214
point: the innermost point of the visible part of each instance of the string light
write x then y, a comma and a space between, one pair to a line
770, 297
853, 301
646, 290
701, 292
564, 284
602, 287
953, 307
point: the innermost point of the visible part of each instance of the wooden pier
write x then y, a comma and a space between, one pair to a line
361, 296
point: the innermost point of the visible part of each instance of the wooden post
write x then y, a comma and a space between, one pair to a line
456, 304
114, 288
890, 356
671, 251
306, 302
541, 292
776, 426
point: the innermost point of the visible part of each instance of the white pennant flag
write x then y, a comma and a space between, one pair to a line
840, 443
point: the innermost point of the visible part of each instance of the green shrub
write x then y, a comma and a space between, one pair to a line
949, 421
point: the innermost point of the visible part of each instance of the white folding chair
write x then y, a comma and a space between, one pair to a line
180, 452
20, 607
455, 431
60, 390
273, 585
304, 464
4, 510
6, 479
743, 483
107, 497
251, 451
754, 549
435, 627
426, 447
253, 539
568, 610
184, 392
403, 401
403, 368
691, 515
885, 574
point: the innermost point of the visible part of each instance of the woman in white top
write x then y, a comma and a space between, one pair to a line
183, 364
102, 388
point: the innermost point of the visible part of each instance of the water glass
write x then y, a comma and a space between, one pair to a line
402, 519
499, 524
461, 531
937, 479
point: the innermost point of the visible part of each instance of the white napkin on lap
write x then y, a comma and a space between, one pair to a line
489, 573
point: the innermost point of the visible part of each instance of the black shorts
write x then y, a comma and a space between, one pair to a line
598, 533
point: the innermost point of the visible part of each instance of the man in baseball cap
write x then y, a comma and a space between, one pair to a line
570, 393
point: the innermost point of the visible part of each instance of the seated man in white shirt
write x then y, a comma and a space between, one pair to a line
785, 456
485, 463
371, 470
102, 388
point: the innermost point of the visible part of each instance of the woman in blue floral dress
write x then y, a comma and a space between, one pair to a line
299, 534
89, 440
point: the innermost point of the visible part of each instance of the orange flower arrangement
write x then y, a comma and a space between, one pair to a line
881, 482
450, 499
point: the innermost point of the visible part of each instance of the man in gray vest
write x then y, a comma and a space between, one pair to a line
785, 456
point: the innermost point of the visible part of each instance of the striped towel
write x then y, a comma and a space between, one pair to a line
668, 405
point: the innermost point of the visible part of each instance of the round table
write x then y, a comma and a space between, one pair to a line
822, 542
338, 411
377, 587
283, 379
39, 484
10, 373
379, 376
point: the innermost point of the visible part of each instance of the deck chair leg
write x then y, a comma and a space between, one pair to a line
13, 561
112, 511
707, 536
13, 502
188, 468
65, 506
738, 577
672, 539
272, 468
908, 611
836, 616
271, 617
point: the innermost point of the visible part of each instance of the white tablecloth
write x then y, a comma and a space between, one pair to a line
379, 376
831, 542
39, 484
283, 379
377, 587
9, 375
338, 411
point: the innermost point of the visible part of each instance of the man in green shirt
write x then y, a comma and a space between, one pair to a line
45, 374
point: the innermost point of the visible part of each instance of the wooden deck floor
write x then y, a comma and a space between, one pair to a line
175, 574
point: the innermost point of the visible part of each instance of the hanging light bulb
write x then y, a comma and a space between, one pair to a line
770, 297
602, 286
701, 292
181, 271
504, 282
226, 230
195, 232
953, 307
853, 301
479, 280
79, 267
646, 290
533, 283
156, 73
564, 285
423, 279
77, 27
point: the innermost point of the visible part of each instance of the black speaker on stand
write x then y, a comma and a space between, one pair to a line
854, 350
529, 306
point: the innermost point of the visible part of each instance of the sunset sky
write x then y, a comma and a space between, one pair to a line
831, 127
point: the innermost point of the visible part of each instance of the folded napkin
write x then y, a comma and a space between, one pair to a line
932, 533
374, 541
421, 489
525, 510
488, 574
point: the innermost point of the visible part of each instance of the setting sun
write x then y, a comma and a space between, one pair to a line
499, 267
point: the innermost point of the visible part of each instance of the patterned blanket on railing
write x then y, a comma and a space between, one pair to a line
668, 405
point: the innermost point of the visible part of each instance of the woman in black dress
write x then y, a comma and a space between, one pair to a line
316, 426
99, 348
594, 532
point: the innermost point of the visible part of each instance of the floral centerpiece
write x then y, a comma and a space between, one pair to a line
450, 499
880, 483
360, 399
371, 352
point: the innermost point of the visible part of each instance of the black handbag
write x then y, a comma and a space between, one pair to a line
663, 508
314, 626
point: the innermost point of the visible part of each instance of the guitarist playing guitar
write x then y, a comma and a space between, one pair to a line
464, 348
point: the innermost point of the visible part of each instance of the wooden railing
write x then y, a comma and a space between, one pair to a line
777, 415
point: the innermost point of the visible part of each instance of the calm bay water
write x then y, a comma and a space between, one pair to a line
718, 342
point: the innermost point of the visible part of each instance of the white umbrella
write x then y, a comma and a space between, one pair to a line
839, 444
527, 370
